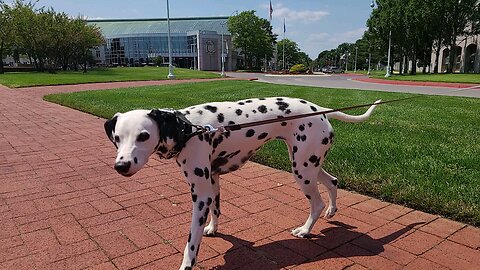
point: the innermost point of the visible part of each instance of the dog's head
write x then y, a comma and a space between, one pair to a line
140, 133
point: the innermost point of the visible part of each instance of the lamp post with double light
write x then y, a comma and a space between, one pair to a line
389, 71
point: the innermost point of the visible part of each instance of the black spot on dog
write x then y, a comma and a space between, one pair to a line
184, 161
309, 124
200, 112
282, 106
325, 140
250, 133
300, 176
335, 182
207, 173
194, 197
308, 197
303, 101
307, 182
234, 154
254, 111
298, 138
216, 163
212, 109
136, 161
217, 201
227, 134
193, 262
187, 112
220, 117
246, 115
301, 127
295, 172
248, 101
331, 137
223, 153
262, 109
185, 173
261, 98
294, 164
201, 221
304, 138
288, 111
198, 172
295, 149
313, 108
231, 123
279, 99
284, 124
192, 248
305, 164
262, 136
190, 237
313, 158
200, 137
241, 103
201, 204
209, 201
238, 112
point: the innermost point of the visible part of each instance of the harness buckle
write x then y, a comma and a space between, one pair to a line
210, 129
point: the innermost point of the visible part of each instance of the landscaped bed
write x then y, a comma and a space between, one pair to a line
26, 79
423, 153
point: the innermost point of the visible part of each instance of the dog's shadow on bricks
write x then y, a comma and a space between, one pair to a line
341, 238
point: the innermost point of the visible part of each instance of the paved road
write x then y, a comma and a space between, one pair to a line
341, 81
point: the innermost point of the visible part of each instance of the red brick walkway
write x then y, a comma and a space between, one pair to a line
416, 83
63, 207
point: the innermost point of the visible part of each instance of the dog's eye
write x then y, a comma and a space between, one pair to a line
117, 139
143, 137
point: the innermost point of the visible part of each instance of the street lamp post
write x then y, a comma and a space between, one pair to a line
356, 55
223, 60
170, 66
389, 71
369, 60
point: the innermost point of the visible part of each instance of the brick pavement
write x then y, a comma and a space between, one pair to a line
63, 207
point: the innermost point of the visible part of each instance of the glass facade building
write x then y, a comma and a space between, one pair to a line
196, 42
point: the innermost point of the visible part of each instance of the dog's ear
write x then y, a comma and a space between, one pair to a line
110, 127
167, 124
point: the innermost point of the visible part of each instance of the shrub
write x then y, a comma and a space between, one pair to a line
298, 68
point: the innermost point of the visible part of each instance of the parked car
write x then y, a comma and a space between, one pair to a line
332, 69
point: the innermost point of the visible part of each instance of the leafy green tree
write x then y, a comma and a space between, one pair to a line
254, 36
6, 31
292, 53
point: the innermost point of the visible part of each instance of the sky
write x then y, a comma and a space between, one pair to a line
315, 25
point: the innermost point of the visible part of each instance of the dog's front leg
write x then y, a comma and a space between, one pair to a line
202, 198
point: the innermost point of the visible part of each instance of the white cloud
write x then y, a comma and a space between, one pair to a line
305, 16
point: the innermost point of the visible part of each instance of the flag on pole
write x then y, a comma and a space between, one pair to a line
271, 10
284, 27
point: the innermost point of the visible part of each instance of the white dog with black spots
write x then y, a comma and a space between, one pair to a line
203, 157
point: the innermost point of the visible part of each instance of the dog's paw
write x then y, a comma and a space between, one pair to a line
330, 212
209, 230
301, 232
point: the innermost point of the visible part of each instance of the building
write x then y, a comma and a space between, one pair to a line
467, 56
196, 42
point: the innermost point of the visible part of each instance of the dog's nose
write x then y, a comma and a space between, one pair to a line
122, 166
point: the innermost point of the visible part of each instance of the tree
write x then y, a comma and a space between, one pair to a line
292, 53
6, 31
254, 36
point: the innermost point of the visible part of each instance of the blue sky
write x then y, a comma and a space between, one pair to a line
316, 25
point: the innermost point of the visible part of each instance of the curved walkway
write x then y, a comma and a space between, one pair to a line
416, 83
64, 207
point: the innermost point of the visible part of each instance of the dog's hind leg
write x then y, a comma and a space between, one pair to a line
330, 182
211, 229
307, 180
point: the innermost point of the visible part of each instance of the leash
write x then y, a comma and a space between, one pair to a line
210, 129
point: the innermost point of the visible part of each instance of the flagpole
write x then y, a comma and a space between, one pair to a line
284, 37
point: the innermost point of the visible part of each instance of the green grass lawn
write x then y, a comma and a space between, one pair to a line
26, 79
423, 153
452, 78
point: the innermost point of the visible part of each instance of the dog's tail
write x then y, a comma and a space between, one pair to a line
353, 118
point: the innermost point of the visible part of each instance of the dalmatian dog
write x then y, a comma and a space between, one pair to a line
204, 156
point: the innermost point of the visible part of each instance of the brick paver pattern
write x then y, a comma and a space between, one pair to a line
64, 207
